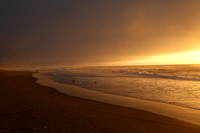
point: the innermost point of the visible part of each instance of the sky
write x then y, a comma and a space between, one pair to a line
89, 32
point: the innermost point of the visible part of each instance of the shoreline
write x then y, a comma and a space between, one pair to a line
29, 107
170, 110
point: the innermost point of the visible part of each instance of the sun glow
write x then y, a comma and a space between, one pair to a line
178, 58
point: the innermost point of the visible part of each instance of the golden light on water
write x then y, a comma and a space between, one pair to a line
178, 58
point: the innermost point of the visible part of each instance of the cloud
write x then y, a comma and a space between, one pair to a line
83, 32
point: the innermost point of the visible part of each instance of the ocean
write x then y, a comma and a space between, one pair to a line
170, 90
173, 84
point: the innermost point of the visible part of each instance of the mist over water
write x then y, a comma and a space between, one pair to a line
173, 84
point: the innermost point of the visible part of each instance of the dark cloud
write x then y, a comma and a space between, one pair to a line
45, 32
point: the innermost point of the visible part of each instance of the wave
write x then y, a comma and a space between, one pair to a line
148, 74
129, 74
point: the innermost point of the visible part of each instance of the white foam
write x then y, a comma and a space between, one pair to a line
181, 113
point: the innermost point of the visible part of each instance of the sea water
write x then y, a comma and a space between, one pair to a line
171, 90
172, 84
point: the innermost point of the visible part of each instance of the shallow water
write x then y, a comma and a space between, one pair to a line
174, 84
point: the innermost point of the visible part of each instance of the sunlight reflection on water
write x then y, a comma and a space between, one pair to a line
179, 85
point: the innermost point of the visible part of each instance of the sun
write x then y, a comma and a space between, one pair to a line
178, 58
192, 57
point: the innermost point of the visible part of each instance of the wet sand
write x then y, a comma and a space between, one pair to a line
29, 107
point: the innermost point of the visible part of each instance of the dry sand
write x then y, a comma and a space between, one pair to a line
28, 107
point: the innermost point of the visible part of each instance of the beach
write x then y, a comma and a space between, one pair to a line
30, 107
